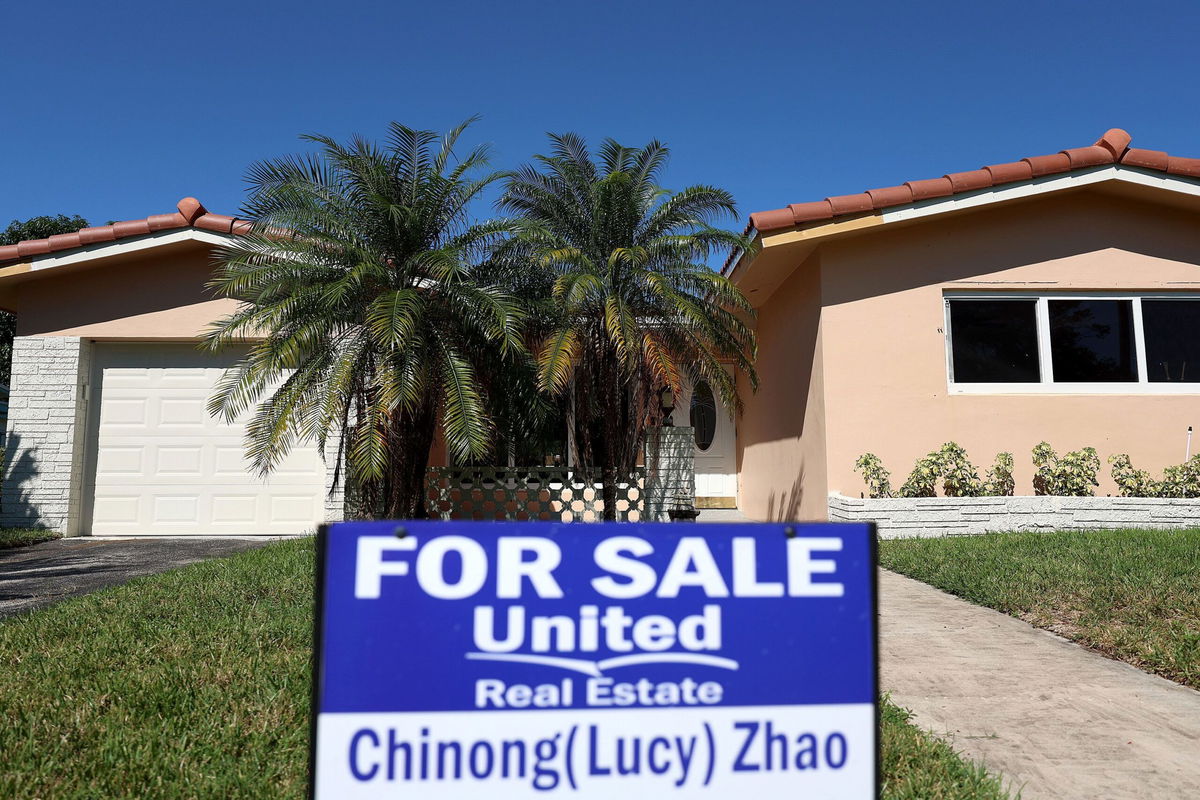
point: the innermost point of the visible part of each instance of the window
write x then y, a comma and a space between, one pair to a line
1092, 340
1172, 340
995, 341
1073, 343
703, 416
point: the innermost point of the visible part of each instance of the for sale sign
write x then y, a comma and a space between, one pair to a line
519, 660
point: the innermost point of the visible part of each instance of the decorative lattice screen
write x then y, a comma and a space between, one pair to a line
546, 493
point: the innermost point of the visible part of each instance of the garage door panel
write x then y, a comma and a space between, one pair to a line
125, 412
176, 413
303, 463
179, 461
176, 508
292, 508
126, 462
235, 509
119, 509
164, 465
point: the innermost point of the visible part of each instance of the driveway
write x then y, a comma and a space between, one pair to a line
43, 574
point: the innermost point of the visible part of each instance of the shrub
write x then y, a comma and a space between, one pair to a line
949, 464
1071, 475
877, 478
999, 481
959, 477
1182, 480
922, 481
1179, 480
1132, 482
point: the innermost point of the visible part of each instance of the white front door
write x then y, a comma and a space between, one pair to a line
160, 464
716, 461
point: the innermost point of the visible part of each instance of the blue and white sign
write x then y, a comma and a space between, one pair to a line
521, 660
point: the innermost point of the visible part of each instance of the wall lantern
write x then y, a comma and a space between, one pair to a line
666, 402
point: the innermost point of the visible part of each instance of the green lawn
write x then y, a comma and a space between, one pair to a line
195, 684
919, 766
1132, 595
20, 537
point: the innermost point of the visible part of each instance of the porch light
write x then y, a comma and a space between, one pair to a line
666, 402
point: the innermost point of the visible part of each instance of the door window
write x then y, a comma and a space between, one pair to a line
703, 415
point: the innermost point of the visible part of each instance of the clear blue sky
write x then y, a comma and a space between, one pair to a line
116, 110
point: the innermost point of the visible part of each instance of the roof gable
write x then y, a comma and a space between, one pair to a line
190, 213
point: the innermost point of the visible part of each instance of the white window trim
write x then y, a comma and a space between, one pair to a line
1042, 316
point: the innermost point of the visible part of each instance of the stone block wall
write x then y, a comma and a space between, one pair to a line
47, 417
948, 516
670, 470
335, 490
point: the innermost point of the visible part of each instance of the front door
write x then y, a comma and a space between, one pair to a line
716, 465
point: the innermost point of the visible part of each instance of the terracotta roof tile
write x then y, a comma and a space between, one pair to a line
933, 187
104, 233
970, 181
1177, 165
34, 247
1115, 141
162, 222
1048, 165
189, 213
1111, 148
1012, 171
802, 212
1150, 159
890, 196
190, 208
1093, 156
772, 220
850, 204
215, 222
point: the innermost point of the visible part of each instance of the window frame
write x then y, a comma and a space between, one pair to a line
1047, 384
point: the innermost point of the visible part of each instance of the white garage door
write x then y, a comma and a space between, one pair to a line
161, 465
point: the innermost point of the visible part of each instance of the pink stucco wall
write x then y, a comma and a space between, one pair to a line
781, 434
879, 361
156, 295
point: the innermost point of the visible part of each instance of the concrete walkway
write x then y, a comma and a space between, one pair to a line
1056, 720
43, 574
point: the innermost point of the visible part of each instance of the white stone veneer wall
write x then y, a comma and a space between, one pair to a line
335, 493
47, 411
946, 516
670, 469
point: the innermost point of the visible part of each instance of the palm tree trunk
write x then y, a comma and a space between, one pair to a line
411, 438
609, 492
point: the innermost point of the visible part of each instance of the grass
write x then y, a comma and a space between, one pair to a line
189, 684
919, 766
195, 684
20, 537
1131, 594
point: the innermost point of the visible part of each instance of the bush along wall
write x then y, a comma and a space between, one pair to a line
1072, 474
1064, 498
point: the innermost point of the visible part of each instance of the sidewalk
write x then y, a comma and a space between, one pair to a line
1056, 720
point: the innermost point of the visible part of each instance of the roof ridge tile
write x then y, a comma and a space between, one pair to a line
189, 213
1111, 148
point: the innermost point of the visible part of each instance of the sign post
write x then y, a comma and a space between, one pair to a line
521, 660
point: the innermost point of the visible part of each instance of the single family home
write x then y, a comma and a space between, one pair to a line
1054, 298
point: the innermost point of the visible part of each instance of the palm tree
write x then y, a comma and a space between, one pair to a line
358, 291
636, 306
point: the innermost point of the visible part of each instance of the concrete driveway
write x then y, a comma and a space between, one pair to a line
43, 574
